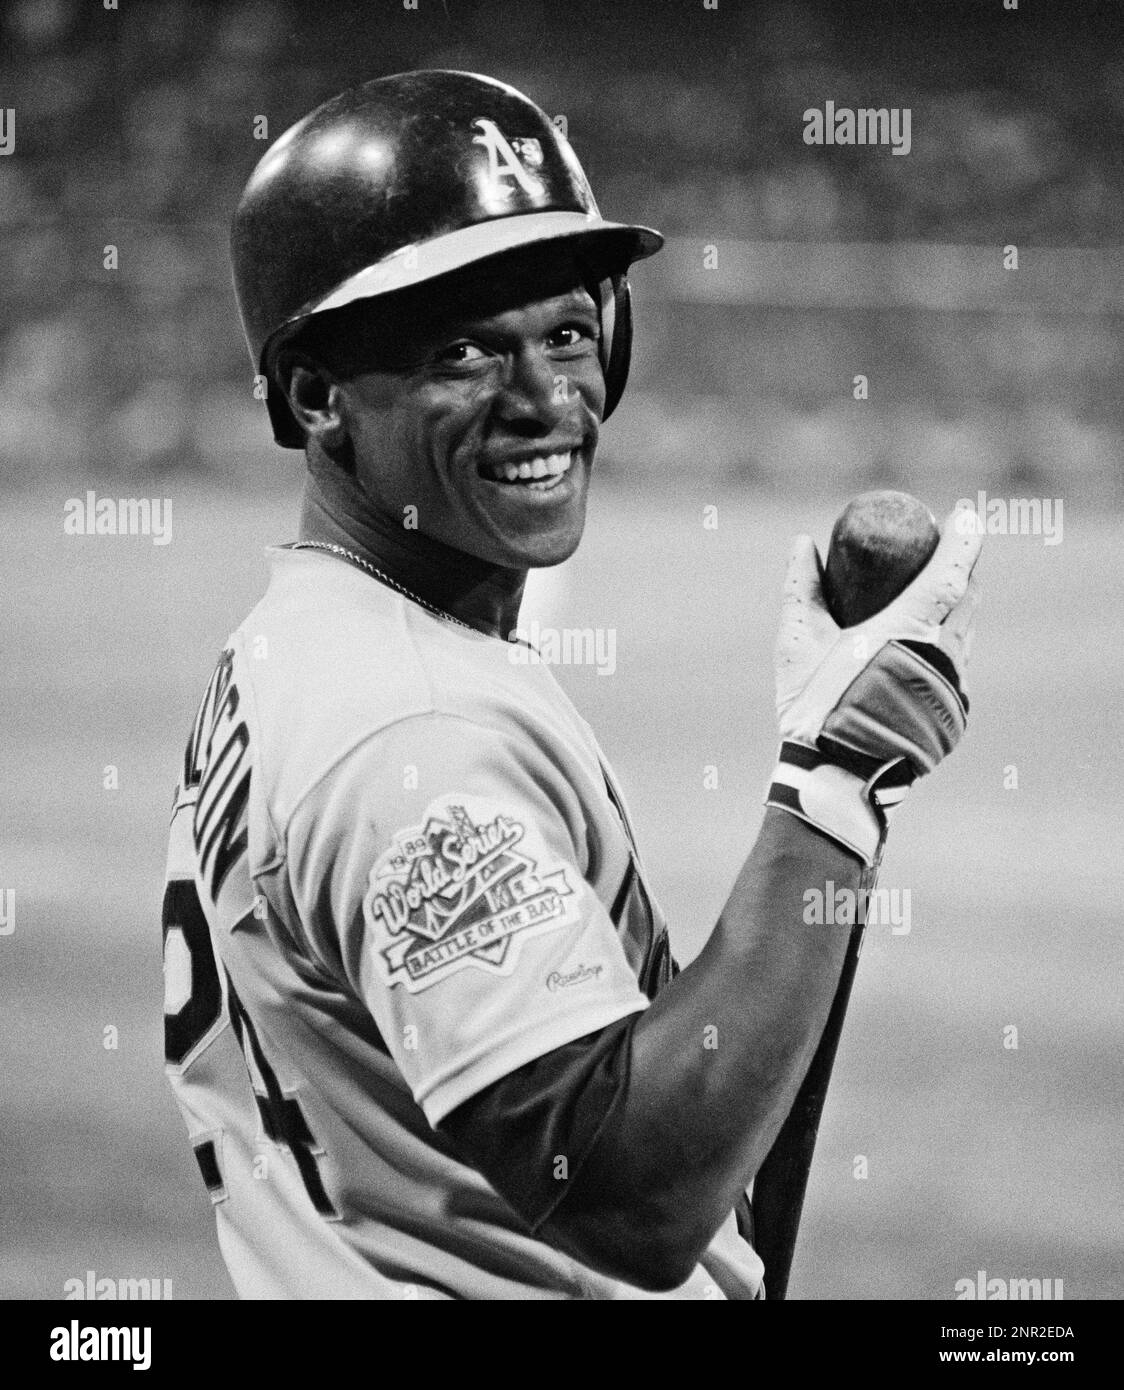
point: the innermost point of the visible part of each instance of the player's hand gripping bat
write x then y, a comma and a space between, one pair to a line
879, 546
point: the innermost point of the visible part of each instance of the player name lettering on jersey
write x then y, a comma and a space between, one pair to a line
220, 827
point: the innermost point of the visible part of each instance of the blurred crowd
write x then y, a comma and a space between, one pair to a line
134, 129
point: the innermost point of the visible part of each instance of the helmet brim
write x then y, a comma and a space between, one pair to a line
613, 246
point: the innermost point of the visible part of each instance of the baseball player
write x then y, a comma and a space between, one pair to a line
422, 1018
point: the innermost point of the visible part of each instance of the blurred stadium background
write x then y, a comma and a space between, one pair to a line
135, 128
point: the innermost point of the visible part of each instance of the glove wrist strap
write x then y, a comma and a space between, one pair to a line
845, 795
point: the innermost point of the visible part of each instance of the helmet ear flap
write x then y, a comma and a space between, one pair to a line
616, 338
286, 431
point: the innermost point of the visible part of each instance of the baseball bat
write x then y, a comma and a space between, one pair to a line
880, 544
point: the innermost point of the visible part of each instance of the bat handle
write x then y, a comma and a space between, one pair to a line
781, 1181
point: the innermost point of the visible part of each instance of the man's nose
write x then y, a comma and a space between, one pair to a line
535, 395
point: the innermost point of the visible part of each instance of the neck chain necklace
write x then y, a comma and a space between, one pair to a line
383, 578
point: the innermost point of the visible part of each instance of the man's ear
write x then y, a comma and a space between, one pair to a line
314, 397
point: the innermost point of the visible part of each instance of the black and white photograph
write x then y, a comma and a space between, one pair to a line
562, 660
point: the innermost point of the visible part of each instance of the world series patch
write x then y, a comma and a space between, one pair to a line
461, 889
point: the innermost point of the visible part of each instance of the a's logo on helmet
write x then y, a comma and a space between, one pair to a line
515, 159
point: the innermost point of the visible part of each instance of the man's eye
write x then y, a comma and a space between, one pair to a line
572, 335
461, 352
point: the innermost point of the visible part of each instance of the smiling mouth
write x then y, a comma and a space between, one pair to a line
539, 474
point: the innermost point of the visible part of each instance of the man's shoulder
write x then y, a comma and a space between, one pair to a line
323, 663
317, 638
330, 661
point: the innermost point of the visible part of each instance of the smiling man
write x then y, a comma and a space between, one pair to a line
460, 425
421, 1014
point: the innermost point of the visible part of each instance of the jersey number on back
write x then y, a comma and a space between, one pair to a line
193, 999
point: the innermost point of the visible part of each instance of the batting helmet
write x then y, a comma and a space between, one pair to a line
405, 179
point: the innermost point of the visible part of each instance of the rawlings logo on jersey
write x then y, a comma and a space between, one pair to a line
457, 891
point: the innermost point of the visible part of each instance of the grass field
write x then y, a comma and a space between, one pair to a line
979, 1156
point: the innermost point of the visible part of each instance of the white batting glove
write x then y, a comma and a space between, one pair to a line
865, 710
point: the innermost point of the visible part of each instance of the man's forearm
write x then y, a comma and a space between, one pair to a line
716, 1061
665, 1116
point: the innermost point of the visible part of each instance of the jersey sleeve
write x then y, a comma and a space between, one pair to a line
441, 867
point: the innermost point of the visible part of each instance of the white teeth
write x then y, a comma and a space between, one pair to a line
550, 466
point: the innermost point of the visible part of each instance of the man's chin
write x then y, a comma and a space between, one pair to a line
545, 548
537, 547
554, 555
538, 554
